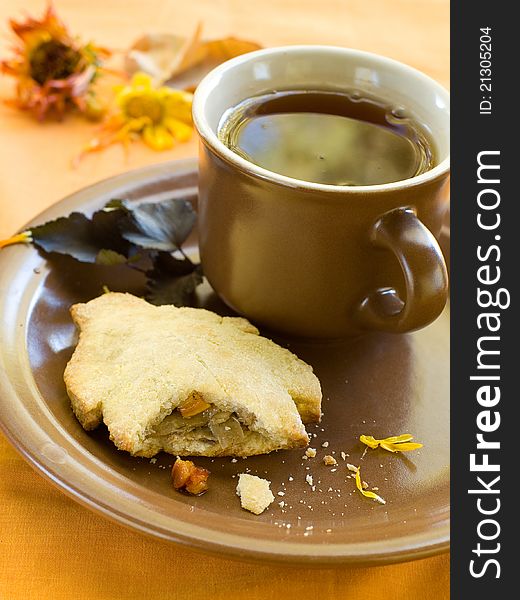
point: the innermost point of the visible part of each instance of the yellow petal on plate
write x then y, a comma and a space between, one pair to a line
395, 443
404, 447
369, 441
20, 238
366, 493
406, 437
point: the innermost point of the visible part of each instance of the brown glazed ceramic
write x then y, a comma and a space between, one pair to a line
318, 260
379, 384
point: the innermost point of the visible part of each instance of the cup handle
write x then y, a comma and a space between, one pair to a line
424, 271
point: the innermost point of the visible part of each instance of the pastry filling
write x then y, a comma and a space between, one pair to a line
209, 425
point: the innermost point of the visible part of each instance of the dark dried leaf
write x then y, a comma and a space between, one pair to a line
167, 265
109, 257
160, 226
140, 235
81, 237
167, 288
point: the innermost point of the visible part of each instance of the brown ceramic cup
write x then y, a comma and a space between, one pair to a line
317, 260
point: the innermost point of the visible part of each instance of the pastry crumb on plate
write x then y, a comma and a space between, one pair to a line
254, 492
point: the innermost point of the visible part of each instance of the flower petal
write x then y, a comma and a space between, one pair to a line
180, 130
406, 437
141, 80
158, 137
20, 238
369, 441
407, 446
366, 493
395, 443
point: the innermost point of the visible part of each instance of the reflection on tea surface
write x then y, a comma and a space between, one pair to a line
328, 137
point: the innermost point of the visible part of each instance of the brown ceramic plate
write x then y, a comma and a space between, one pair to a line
378, 385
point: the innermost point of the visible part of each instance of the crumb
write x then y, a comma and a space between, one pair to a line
333, 470
153, 461
234, 460
255, 494
343, 455
351, 467
281, 504
329, 460
310, 452
308, 479
291, 478
325, 445
375, 489
309, 528
328, 530
281, 493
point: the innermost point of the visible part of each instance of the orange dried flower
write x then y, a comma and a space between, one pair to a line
54, 71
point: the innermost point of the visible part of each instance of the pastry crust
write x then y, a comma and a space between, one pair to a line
135, 363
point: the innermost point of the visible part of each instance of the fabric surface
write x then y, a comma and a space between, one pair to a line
50, 546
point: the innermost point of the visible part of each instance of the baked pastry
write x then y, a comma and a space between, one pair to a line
186, 381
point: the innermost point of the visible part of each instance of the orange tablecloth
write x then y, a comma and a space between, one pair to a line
50, 547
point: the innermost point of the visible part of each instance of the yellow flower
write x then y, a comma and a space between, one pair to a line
54, 71
396, 443
160, 116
